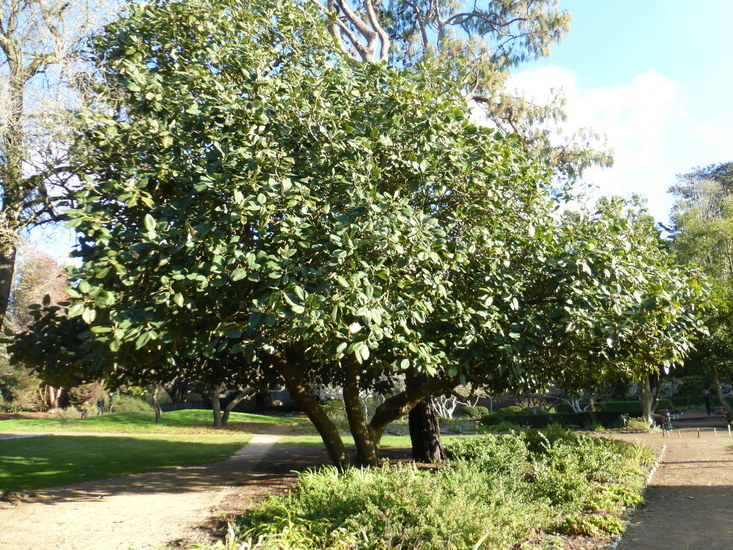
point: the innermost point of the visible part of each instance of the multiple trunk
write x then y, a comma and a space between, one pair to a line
367, 433
221, 416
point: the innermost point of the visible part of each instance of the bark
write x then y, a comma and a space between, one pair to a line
156, 403
7, 272
719, 391
424, 427
216, 404
52, 397
400, 404
300, 394
241, 396
649, 399
367, 446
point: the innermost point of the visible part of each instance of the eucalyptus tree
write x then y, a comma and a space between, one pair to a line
702, 234
38, 66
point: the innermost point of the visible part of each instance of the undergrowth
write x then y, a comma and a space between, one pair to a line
495, 492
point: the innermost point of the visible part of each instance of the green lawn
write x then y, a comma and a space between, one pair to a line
45, 461
144, 422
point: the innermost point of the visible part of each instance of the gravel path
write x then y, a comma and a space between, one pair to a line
688, 500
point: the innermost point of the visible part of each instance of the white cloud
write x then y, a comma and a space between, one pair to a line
648, 125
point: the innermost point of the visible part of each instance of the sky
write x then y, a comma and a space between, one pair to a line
655, 77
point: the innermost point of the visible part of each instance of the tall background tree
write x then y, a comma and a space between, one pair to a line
702, 232
38, 66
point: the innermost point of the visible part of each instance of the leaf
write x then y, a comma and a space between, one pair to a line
89, 315
149, 222
76, 310
238, 274
354, 328
178, 299
142, 340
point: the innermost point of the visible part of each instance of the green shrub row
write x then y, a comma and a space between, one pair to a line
606, 419
472, 412
497, 492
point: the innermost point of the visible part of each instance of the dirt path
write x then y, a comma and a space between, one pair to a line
688, 500
146, 511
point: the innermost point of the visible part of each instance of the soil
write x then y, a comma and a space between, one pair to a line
686, 505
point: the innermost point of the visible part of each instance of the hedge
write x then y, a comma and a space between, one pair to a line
608, 419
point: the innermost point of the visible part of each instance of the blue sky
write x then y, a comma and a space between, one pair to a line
654, 76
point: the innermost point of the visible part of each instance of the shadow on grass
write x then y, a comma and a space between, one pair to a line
277, 471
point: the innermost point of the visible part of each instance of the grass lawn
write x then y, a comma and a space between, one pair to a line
44, 461
181, 422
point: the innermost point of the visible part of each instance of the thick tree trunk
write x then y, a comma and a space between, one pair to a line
719, 391
367, 446
52, 397
233, 403
399, 405
649, 399
424, 426
156, 404
326, 428
216, 404
7, 272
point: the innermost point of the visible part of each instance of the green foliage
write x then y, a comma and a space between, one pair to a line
472, 412
496, 492
589, 420
512, 410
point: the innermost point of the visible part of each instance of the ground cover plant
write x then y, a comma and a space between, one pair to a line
496, 491
45, 461
172, 422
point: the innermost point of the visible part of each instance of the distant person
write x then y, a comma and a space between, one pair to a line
100, 406
708, 401
111, 401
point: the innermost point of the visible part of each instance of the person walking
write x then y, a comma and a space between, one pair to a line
708, 401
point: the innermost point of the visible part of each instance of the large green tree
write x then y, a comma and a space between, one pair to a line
248, 193
702, 231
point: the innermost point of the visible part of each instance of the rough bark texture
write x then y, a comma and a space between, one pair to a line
425, 433
367, 446
233, 403
424, 426
156, 404
649, 399
216, 405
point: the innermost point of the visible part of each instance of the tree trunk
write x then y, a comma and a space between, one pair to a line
7, 272
649, 399
156, 404
243, 394
216, 404
52, 397
326, 428
367, 446
719, 391
424, 427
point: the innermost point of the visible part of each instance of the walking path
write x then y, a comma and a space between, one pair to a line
149, 510
688, 500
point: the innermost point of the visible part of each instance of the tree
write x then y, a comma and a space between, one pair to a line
249, 193
38, 41
702, 232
